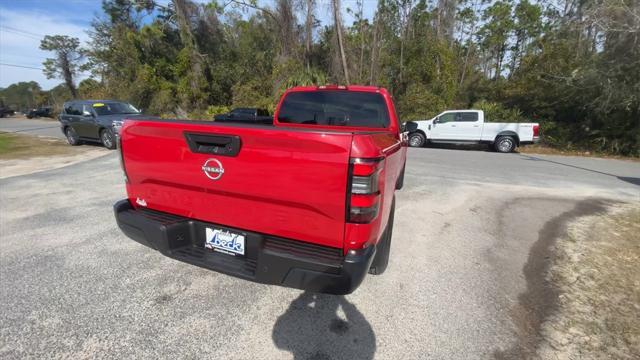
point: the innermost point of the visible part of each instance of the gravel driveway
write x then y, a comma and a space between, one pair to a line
469, 242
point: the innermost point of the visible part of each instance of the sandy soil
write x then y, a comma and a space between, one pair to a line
596, 275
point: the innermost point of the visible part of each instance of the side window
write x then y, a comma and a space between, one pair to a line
466, 117
448, 117
74, 109
67, 109
87, 108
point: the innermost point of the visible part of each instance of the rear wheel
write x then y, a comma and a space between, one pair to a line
72, 136
417, 139
381, 261
107, 139
505, 144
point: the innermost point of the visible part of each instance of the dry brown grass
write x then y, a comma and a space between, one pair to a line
547, 150
14, 146
597, 273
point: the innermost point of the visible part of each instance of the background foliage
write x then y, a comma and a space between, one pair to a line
572, 65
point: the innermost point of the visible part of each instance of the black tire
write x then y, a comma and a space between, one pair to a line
505, 144
400, 181
417, 139
381, 260
107, 139
72, 136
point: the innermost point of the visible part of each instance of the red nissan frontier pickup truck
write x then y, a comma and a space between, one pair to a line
306, 202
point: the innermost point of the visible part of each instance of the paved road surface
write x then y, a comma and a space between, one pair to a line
22, 125
468, 248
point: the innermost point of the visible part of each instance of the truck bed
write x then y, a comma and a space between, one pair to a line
491, 130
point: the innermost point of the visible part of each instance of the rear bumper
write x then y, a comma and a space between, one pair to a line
268, 259
535, 140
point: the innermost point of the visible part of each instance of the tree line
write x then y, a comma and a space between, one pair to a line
572, 65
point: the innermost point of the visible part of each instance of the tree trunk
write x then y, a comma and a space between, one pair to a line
338, 23
374, 47
308, 27
189, 42
405, 23
516, 53
498, 64
469, 42
361, 64
68, 76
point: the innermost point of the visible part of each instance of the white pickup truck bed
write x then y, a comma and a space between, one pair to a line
491, 130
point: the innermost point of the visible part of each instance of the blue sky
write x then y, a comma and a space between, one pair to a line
24, 22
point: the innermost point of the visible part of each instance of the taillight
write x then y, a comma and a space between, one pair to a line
364, 197
536, 130
121, 158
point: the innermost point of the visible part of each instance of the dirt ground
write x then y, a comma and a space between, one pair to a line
596, 277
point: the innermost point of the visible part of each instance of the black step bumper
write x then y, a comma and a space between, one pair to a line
267, 259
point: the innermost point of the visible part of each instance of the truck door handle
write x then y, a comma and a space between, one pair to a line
222, 145
453, 125
476, 125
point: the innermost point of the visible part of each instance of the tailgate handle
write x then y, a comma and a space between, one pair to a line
223, 145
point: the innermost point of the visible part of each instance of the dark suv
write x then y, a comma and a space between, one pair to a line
40, 112
95, 120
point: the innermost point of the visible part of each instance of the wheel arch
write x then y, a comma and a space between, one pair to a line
421, 132
508, 133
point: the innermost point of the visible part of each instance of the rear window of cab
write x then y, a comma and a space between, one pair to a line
335, 108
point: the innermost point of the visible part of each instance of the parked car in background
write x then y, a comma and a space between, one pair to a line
306, 202
469, 127
246, 115
5, 110
45, 111
95, 120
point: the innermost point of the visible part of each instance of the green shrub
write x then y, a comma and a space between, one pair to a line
418, 103
495, 112
213, 110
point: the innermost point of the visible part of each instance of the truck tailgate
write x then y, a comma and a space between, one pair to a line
286, 182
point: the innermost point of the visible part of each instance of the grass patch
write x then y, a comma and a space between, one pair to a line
5, 143
14, 146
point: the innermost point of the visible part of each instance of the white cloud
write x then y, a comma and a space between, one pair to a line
20, 35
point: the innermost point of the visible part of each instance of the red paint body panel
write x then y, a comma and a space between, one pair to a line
287, 180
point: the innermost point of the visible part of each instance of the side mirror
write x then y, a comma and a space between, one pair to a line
435, 121
87, 114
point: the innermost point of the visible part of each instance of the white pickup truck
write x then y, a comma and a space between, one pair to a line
468, 126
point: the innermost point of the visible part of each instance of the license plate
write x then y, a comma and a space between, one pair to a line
224, 241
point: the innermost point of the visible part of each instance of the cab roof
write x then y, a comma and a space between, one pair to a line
366, 88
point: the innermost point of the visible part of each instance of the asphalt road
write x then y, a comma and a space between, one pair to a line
40, 127
469, 244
